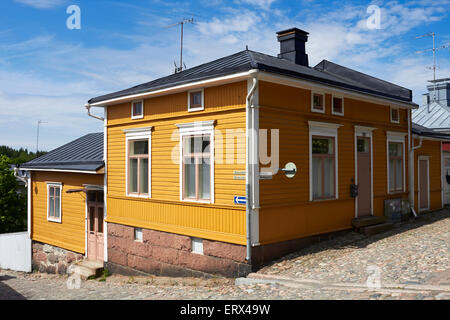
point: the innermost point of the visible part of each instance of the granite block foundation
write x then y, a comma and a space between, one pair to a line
51, 259
169, 254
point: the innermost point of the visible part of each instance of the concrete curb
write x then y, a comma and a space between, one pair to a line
255, 278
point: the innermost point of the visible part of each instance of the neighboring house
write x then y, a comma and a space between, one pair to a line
66, 203
193, 183
433, 115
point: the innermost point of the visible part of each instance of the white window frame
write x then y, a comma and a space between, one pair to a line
390, 114
138, 134
197, 128
332, 105
325, 129
54, 185
312, 101
138, 235
202, 107
132, 111
197, 245
399, 137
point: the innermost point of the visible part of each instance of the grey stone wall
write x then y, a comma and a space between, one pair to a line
51, 259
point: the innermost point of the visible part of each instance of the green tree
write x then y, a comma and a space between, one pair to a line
13, 213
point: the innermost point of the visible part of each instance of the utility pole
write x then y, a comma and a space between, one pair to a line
37, 136
182, 22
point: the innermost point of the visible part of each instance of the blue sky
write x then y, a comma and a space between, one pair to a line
48, 72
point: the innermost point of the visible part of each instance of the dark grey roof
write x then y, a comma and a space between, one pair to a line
364, 80
426, 132
82, 154
248, 60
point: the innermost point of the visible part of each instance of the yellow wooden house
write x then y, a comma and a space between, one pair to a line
222, 167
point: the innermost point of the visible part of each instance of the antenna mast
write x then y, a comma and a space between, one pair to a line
434, 49
182, 22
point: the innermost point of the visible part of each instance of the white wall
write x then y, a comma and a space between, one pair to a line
15, 251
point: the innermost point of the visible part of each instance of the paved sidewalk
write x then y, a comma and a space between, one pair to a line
413, 261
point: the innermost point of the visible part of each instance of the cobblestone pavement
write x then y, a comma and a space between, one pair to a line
413, 260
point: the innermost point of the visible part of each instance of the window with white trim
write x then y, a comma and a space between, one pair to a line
54, 191
323, 167
323, 157
197, 167
395, 115
318, 102
337, 107
395, 163
138, 162
137, 109
197, 245
196, 100
197, 161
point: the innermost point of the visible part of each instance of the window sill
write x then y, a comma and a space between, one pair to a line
197, 201
337, 114
137, 117
53, 220
317, 110
321, 200
147, 196
196, 109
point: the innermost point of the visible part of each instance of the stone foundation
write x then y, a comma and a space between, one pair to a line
51, 259
169, 254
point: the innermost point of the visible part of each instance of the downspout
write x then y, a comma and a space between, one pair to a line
411, 165
249, 159
105, 175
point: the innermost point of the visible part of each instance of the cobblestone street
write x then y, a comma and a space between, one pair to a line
412, 262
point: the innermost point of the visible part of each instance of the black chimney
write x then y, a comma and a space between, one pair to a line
292, 45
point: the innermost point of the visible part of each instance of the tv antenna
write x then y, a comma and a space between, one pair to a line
39, 122
181, 23
434, 49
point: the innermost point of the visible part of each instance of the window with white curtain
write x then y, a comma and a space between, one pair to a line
54, 202
323, 168
196, 152
395, 166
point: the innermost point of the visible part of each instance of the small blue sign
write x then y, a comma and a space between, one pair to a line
240, 200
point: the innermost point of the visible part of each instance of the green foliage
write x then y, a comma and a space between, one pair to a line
18, 156
13, 210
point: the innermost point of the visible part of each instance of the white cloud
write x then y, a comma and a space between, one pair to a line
41, 4
265, 4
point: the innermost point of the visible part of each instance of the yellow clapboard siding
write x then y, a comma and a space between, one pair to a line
226, 105
286, 211
70, 233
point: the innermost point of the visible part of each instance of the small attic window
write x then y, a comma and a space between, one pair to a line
395, 115
338, 106
137, 109
195, 100
318, 102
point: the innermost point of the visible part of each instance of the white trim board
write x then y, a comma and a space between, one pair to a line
187, 129
144, 133
324, 129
